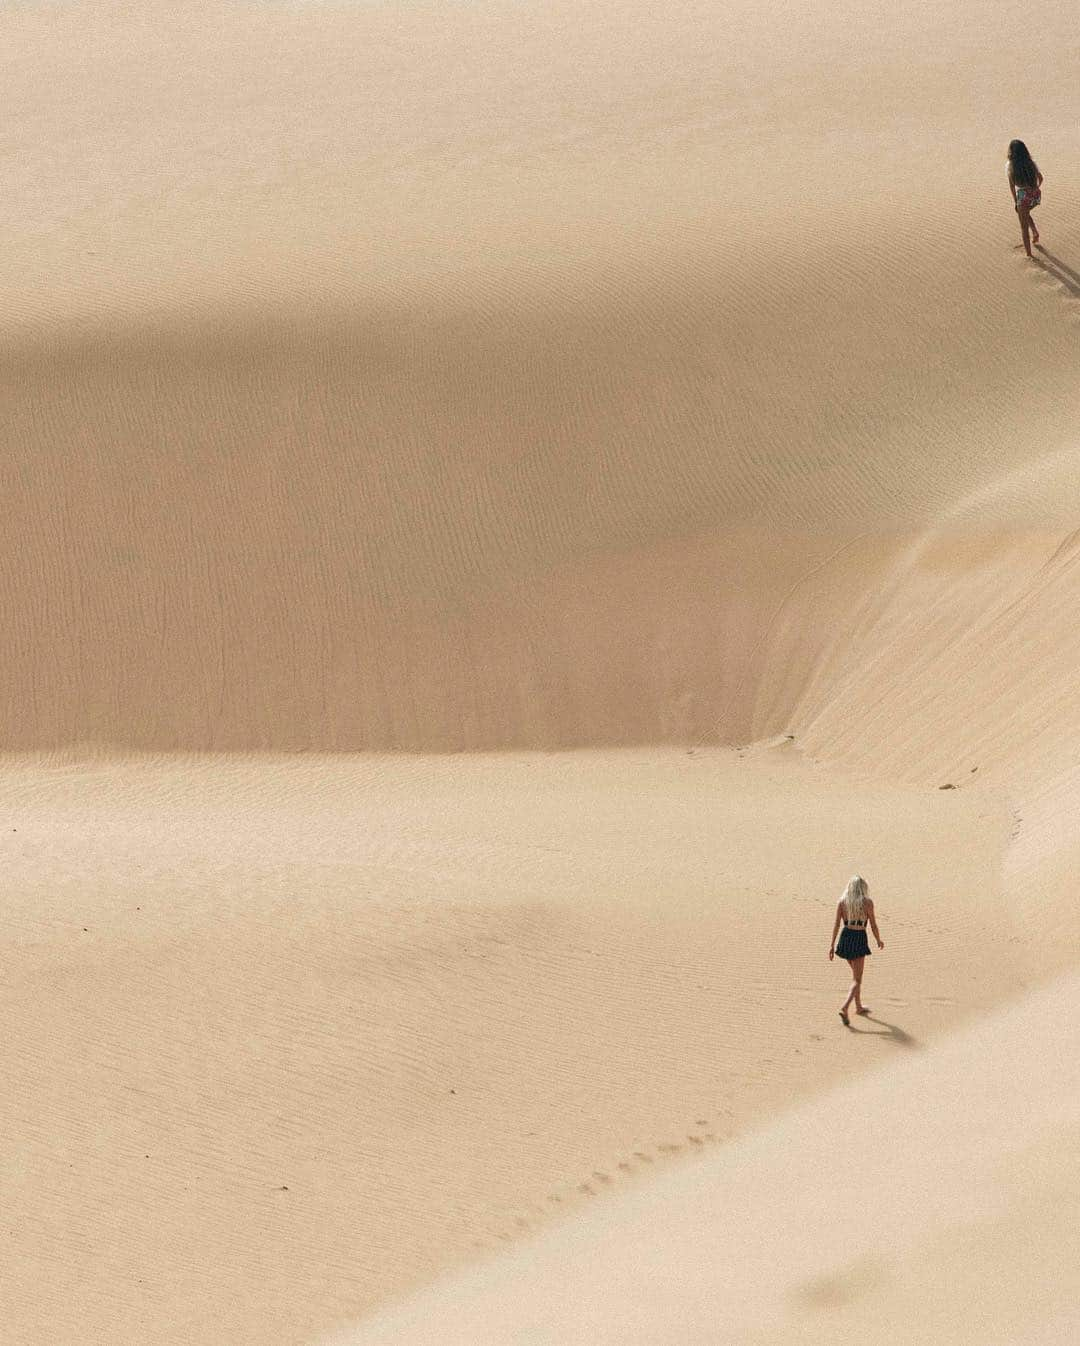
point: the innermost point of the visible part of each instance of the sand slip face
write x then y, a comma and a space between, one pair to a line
365, 367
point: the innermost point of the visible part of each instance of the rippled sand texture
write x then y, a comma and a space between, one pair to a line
812, 1228
287, 1037
389, 376
627, 383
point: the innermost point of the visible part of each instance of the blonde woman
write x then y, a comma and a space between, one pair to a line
855, 909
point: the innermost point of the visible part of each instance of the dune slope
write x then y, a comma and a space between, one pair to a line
891, 1204
390, 389
458, 386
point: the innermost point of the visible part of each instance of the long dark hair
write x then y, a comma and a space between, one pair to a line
1025, 170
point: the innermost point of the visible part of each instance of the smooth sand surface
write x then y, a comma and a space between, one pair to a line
288, 1036
506, 507
957, 1220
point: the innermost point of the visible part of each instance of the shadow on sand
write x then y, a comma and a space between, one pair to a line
1062, 273
887, 1030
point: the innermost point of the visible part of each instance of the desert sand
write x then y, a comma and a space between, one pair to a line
507, 508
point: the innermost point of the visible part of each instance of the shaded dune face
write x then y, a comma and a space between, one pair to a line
455, 529
597, 391
427, 535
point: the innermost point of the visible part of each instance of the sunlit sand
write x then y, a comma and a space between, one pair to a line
507, 509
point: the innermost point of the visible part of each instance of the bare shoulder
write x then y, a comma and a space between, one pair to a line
868, 902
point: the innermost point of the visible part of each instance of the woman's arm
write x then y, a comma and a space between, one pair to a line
873, 925
1012, 187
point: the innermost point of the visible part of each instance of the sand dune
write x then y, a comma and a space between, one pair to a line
922, 1195
302, 478
440, 1000
506, 507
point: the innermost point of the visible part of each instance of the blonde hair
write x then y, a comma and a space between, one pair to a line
854, 898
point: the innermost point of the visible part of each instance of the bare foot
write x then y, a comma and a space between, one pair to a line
843, 1015
863, 1009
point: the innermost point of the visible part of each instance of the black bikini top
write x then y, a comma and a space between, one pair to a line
849, 924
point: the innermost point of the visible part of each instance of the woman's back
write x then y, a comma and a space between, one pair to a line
860, 921
1023, 170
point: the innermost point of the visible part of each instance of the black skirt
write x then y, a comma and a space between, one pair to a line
853, 944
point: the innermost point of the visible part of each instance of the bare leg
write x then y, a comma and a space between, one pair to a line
856, 965
1034, 228
860, 1008
1025, 227
857, 969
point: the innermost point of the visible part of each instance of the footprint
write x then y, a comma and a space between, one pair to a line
645, 1158
825, 1292
841, 1287
601, 1177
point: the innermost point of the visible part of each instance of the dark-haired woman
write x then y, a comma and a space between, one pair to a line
1025, 183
